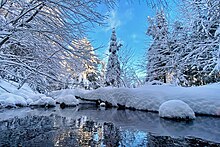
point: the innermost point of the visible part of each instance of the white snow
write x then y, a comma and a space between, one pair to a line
66, 96
9, 99
176, 109
102, 104
10, 96
217, 32
44, 101
69, 100
202, 99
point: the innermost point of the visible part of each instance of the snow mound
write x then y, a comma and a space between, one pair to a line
64, 92
176, 109
102, 104
61, 93
44, 102
66, 96
11, 96
68, 100
12, 100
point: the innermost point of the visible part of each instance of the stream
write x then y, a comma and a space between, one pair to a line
88, 125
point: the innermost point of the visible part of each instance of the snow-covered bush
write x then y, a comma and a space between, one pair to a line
176, 109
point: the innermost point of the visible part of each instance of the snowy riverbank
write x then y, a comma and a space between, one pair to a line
202, 99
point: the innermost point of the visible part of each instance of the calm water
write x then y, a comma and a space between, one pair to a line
90, 126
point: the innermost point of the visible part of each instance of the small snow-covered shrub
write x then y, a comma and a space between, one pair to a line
176, 109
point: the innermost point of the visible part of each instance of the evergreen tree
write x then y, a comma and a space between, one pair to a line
113, 67
85, 71
159, 52
178, 41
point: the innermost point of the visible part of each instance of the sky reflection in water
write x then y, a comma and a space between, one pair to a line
93, 127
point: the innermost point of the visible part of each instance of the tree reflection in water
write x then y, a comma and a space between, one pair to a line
87, 129
55, 130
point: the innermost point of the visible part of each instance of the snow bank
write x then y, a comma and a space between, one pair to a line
10, 96
202, 99
176, 109
12, 100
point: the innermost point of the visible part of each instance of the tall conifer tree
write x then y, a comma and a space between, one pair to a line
113, 67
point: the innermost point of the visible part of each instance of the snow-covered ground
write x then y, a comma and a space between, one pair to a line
202, 99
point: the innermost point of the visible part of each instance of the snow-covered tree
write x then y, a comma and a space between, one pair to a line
159, 51
178, 42
129, 73
85, 71
190, 54
203, 57
35, 36
113, 70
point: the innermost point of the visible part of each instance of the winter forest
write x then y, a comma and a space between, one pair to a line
48, 59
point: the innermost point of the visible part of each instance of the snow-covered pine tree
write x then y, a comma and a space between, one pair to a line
159, 52
178, 41
113, 67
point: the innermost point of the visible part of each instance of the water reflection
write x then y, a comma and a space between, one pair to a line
100, 128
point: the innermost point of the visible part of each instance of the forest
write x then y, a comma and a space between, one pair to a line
61, 86
44, 44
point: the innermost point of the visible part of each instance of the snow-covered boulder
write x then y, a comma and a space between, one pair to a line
176, 109
102, 104
44, 102
68, 100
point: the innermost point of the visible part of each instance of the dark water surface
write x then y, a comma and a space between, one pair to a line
89, 126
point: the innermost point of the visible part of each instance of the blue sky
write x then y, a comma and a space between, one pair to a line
130, 21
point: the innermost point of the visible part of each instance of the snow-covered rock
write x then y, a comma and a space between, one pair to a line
68, 100
176, 109
102, 104
44, 102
